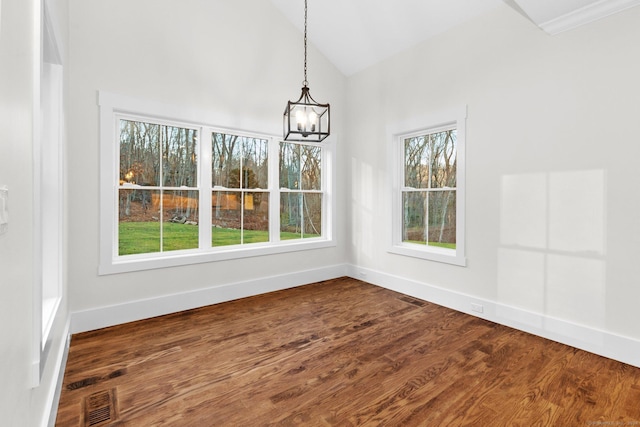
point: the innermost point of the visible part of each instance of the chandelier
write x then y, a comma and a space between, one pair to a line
305, 119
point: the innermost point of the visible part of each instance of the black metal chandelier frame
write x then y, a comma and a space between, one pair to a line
306, 120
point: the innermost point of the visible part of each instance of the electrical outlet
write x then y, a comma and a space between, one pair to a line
477, 308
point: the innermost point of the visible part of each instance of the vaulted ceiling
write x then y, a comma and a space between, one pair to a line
355, 34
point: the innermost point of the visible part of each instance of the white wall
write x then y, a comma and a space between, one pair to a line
22, 404
552, 184
240, 59
16, 248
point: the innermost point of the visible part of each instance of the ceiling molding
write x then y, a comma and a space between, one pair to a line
582, 15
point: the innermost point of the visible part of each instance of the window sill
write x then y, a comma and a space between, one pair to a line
446, 256
179, 258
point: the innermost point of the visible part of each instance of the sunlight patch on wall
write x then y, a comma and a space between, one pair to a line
521, 279
575, 289
576, 211
523, 210
362, 202
552, 245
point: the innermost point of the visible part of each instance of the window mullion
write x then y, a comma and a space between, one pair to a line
204, 184
161, 185
274, 190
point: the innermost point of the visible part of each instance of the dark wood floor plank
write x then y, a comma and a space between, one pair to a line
340, 353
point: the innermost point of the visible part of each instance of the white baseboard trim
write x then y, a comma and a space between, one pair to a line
603, 343
102, 317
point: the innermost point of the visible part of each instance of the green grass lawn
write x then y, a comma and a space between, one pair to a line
144, 237
438, 244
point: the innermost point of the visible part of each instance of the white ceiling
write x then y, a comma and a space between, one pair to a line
355, 34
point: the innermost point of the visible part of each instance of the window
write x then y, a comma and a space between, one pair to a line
157, 188
179, 191
240, 190
429, 199
301, 191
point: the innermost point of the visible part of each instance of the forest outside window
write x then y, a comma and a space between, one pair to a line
428, 212
176, 192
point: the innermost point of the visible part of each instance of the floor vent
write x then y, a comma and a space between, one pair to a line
100, 408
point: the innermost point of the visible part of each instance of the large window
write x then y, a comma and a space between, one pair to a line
178, 191
429, 201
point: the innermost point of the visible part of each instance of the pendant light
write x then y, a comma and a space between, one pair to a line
305, 119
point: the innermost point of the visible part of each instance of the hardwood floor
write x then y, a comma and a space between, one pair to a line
337, 353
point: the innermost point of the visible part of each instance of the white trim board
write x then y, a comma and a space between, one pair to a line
575, 18
55, 388
603, 343
102, 317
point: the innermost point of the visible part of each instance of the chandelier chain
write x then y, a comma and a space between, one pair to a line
305, 82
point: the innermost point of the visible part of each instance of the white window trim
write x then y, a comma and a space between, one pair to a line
396, 133
48, 187
112, 105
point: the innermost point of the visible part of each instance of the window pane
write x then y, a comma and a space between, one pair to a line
437, 209
179, 157
300, 215
233, 224
290, 216
311, 159
430, 161
442, 219
226, 218
180, 220
226, 160
444, 159
139, 153
312, 214
138, 221
256, 217
414, 217
290, 166
416, 162
255, 163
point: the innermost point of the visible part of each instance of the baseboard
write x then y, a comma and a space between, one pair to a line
102, 317
603, 343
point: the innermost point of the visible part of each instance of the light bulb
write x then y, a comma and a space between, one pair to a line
301, 120
313, 119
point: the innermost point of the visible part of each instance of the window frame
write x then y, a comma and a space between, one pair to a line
160, 187
114, 107
432, 123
